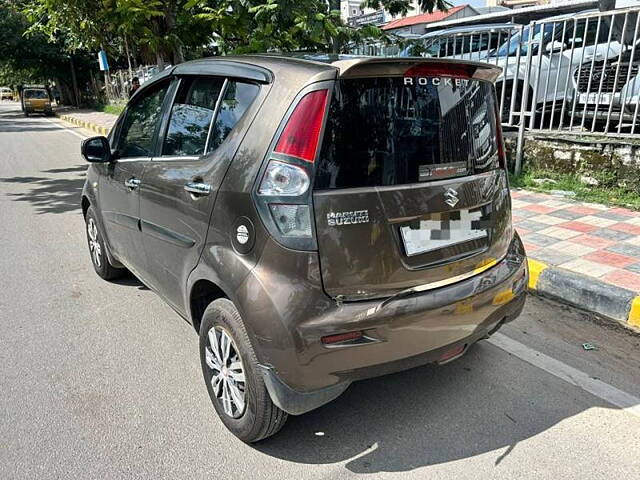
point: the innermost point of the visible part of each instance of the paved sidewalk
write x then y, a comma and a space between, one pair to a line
100, 122
599, 243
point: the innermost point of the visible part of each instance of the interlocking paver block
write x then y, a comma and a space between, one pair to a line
583, 210
547, 219
532, 226
587, 267
609, 215
572, 248
597, 221
625, 249
612, 234
593, 241
552, 257
626, 227
579, 226
559, 233
610, 258
624, 279
538, 208
541, 240
633, 268
566, 214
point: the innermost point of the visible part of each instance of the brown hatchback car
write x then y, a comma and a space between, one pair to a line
318, 220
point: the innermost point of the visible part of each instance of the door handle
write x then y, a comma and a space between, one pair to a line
198, 188
132, 183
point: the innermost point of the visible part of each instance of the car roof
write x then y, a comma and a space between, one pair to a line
469, 28
313, 67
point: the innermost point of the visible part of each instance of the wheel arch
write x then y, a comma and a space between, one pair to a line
202, 293
86, 203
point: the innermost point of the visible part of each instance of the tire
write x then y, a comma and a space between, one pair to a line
98, 249
255, 416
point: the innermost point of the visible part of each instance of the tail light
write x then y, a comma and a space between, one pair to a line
284, 179
302, 132
283, 195
292, 220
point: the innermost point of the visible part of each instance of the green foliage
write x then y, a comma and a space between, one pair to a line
244, 26
401, 7
605, 193
29, 57
112, 108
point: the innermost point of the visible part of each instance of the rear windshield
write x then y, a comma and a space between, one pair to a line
35, 94
393, 131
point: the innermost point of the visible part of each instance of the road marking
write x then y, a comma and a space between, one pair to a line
66, 129
611, 394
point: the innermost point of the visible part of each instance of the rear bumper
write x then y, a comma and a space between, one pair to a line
302, 374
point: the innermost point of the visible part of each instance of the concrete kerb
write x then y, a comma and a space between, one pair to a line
587, 293
81, 123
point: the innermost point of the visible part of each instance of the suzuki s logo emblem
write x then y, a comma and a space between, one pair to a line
451, 197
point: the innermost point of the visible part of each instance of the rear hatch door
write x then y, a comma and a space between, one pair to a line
409, 188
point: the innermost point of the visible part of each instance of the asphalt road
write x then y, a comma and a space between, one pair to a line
102, 380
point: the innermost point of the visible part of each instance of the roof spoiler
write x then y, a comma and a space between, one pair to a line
394, 67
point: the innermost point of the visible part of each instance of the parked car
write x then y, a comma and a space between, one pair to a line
36, 100
609, 89
316, 222
566, 41
469, 42
6, 93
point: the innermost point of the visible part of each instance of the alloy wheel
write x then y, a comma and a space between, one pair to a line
94, 244
227, 372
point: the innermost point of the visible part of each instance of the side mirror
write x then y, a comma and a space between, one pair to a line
555, 47
96, 150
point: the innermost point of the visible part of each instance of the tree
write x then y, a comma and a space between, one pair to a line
401, 7
150, 26
245, 26
35, 58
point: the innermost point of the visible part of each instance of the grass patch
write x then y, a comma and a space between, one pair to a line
606, 195
112, 108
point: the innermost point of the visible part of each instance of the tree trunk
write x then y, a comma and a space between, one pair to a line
126, 49
159, 61
74, 81
170, 15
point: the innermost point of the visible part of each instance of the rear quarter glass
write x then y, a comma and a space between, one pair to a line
400, 130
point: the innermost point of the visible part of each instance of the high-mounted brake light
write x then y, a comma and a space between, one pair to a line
440, 70
502, 158
302, 131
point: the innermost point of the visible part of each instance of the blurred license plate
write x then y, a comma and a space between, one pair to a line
443, 230
605, 98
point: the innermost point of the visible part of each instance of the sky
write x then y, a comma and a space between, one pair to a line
473, 3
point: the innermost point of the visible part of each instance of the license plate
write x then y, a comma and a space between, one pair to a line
443, 230
605, 98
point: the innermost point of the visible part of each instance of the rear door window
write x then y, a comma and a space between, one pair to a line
238, 96
394, 131
191, 116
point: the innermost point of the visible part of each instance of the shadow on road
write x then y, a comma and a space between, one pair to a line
427, 416
14, 121
51, 194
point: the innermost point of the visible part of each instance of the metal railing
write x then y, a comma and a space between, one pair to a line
577, 74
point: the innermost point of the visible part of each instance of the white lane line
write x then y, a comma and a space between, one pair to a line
67, 129
611, 394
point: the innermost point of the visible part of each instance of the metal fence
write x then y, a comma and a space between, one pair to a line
118, 82
573, 73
